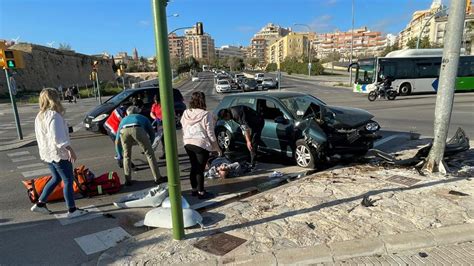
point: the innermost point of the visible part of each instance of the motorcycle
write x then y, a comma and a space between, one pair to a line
381, 92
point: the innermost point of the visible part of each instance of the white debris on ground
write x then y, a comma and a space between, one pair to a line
326, 207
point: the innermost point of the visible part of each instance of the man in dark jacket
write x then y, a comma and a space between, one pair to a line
251, 124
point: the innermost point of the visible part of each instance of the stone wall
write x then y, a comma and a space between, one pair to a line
48, 67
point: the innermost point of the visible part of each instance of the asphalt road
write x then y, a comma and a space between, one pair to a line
42, 239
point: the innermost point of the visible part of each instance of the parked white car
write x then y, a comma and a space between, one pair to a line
259, 77
223, 86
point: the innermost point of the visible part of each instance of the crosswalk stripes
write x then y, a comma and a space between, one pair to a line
36, 173
23, 159
94, 212
19, 153
30, 165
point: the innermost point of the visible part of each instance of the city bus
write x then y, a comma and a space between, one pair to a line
413, 70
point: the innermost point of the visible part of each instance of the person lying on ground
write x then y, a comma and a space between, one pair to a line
221, 167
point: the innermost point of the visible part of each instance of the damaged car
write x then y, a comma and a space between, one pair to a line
302, 127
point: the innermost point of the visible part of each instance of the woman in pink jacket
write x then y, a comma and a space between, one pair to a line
199, 139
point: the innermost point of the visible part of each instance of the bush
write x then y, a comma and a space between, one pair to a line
271, 67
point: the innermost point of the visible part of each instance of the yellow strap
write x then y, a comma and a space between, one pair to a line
99, 189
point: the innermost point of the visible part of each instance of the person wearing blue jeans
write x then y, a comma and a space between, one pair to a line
54, 144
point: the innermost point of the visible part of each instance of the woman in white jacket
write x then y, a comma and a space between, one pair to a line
199, 139
55, 149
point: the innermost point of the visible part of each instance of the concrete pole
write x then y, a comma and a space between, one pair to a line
352, 44
15, 109
167, 106
447, 83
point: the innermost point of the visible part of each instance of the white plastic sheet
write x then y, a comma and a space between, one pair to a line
161, 217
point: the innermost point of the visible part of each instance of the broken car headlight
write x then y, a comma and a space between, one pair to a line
372, 126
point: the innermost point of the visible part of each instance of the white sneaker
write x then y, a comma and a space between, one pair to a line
44, 210
76, 213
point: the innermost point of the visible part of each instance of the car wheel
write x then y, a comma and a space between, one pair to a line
405, 89
304, 155
224, 139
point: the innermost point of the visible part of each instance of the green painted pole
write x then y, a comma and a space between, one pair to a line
167, 107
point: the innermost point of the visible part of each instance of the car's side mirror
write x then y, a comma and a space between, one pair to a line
281, 120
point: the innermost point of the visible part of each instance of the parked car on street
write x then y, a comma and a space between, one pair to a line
300, 126
238, 77
223, 86
94, 119
269, 83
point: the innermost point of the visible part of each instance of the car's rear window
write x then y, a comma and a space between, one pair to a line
223, 82
268, 80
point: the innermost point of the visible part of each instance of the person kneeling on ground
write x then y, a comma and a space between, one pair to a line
136, 129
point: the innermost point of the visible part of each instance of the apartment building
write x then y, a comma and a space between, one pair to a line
176, 45
365, 42
230, 51
199, 46
269, 34
434, 21
292, 45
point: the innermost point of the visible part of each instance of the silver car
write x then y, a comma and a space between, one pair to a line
269, 83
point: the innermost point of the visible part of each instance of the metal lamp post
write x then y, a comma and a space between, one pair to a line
426, 23
309, 46
169, 127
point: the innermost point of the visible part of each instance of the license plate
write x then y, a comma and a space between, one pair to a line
88, 126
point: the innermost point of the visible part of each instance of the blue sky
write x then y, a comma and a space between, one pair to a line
94, 26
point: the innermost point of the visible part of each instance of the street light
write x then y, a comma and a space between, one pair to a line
424, 25
309, 46
181, 28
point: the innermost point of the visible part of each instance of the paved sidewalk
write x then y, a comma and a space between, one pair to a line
341, 213
457, 254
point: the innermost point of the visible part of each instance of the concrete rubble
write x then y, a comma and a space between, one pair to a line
324, 208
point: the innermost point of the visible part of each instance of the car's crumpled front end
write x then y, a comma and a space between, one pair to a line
337, 132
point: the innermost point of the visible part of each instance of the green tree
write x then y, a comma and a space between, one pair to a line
333, 56
271, 67
424, 43
252, 62
389, 48
65, 47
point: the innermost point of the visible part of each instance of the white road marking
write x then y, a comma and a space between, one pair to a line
19, 153
36, 173
94, 212
30, 165
385, 140
102, 240
22, 159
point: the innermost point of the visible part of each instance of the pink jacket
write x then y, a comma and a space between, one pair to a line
198, 128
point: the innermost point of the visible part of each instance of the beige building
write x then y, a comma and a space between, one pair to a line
434, 19
292, 45
365, 42
176, 45
264, 38
199, 46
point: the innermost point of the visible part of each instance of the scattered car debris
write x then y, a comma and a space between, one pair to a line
161, 217
367, 201
423, 254
458, 143
276, 174
457, 193
310, 225
150, 197
167, 204
108, 215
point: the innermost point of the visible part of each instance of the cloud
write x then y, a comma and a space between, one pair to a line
322, 24
246, 29
144, 23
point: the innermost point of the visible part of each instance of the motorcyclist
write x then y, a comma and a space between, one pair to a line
386, 84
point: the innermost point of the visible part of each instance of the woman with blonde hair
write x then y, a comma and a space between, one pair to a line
55, 149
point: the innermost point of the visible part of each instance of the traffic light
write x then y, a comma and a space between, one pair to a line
11, 59
199, 29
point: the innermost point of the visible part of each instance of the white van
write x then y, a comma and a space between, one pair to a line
259, 77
